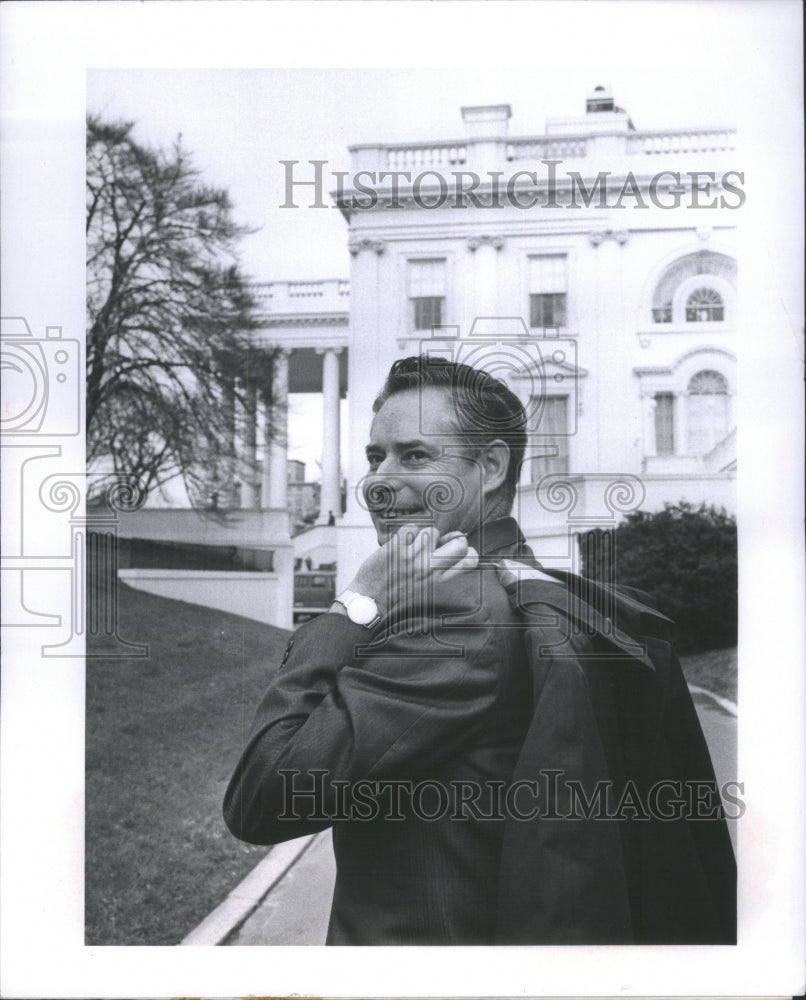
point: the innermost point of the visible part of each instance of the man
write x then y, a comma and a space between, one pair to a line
400, 717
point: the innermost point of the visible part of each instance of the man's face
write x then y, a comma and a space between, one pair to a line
411, 480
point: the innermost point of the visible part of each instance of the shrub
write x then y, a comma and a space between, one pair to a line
685, 558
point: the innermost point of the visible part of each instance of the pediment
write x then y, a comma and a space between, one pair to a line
549, 367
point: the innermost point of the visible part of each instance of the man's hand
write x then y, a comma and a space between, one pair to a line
413, 559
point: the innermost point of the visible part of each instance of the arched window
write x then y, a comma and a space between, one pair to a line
696, 288
705, 305
707, 411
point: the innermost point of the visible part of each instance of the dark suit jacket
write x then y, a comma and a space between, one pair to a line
445, 694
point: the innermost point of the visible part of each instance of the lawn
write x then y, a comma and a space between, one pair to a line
163, 734
715, 671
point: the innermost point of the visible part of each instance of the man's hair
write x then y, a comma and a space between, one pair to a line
485, 408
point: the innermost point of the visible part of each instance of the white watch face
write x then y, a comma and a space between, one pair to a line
361, 610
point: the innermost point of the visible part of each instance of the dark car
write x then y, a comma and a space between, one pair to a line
314, 591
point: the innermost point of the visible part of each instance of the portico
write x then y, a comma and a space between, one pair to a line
307, 321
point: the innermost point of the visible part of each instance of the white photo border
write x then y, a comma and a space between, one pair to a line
45, 51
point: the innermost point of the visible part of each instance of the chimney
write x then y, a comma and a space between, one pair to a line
602, 115
488, 121
600, 100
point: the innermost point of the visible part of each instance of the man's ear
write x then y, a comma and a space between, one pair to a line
494, 463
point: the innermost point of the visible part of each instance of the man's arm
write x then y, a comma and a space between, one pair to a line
382, 714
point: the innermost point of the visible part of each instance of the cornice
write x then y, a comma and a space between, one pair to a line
266, 322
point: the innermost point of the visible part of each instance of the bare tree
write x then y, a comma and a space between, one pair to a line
171, 360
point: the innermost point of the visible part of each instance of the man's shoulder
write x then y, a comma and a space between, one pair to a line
475, 597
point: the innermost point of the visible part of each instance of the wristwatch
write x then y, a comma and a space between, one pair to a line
360, 609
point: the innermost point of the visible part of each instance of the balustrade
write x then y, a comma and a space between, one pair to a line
548, 147
690, 141
425, 155
293, 296
419, 157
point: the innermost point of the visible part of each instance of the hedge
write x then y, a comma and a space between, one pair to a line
685, 558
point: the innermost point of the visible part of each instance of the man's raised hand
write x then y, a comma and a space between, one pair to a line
413, 559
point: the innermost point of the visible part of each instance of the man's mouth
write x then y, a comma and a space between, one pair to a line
402, 513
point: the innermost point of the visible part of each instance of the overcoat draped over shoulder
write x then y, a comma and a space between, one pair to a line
630, 844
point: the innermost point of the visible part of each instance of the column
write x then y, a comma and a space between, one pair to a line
650, 430
226, 490
250, 418
331, 485
485, 275
275, 462
681, 423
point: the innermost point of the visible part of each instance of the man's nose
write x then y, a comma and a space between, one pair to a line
389, 466
381, 486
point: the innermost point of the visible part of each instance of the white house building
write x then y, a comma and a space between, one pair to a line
592, 267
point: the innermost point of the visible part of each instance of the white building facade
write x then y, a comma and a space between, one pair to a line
593, 268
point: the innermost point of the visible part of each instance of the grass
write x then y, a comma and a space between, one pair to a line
163, 734
715, 671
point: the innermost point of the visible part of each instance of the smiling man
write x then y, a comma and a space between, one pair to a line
398, 717
441, 714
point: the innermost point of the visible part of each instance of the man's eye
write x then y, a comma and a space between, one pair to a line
374, 461
415, 456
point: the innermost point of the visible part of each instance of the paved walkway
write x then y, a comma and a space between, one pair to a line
296, 911
290, 901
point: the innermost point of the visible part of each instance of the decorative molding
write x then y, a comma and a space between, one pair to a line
598, 236
274, 321
356, 246
474, 242
641, 372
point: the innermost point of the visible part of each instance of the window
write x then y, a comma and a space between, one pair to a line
551, 430
547, 291
547, 309
705, 306
707, 411
427, 292
687, 411
696, 288
664, 423
427, 312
